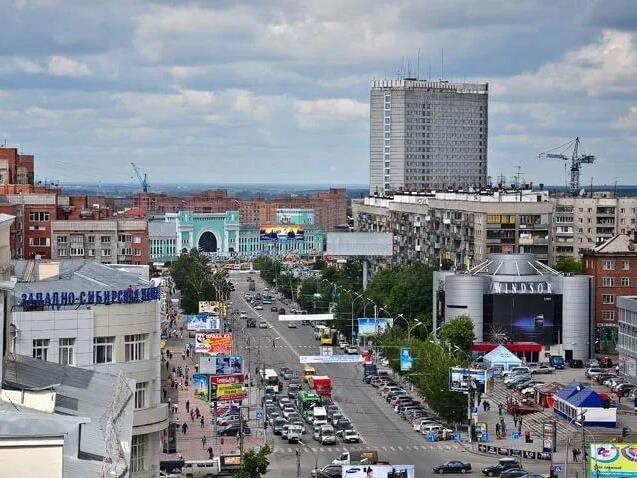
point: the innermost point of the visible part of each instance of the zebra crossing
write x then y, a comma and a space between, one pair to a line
282, 450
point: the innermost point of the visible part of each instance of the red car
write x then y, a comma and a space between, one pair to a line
274, 309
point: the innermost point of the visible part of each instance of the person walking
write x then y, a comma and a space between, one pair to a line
520, 424
203, 442
184, 428
201, 421
485, 404
164, 391
500, 409
497, 430
187, 406
211, 453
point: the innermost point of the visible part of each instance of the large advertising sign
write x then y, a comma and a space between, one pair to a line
213, 308
524, 317
226, 380
304, 359
312, 317
220, 365
465, 380
200, 384
379, 471
213, 343
613, 460
372, 326
89, 297
229, 391
202, 321
282, 232
406, 359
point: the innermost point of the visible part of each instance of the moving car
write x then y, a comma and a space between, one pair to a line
453, 467
351, 350
281, 311
258, 307
350, 436
503, 464
274, 308
292, 325
327, 435
514, 473
251, 323
263, 324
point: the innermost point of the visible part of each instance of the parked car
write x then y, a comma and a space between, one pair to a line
602, 377
514, 473
233, 430
605, 362
592, 372
453, 467
576, 363
503, 464
542, 369
516, 370
624, 388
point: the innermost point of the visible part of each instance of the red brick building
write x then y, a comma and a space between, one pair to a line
613, 264
330, 207
16, 168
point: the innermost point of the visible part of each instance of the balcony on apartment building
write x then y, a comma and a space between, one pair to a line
606, 211
151, 419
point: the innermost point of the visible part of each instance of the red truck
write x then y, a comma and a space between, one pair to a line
321, 385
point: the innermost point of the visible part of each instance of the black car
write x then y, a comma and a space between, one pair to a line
503, 465
514, 473
251, 323
330, 471
576, 363
453, 467
233, 430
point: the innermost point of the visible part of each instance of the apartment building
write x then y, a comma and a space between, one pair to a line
462, 228
427, 135
16, 168
581, 223
120, 241
613, 264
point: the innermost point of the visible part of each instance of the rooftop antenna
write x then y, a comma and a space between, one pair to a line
518, 175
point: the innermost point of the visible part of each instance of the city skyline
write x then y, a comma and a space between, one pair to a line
239, 93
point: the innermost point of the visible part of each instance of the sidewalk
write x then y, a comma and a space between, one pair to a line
190, 444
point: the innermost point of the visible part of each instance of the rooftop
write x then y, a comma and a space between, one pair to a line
512, 265
477, 88
621, 243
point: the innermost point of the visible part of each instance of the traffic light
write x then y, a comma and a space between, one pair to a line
624, 432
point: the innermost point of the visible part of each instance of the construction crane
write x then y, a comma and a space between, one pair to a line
576, 159
142, 180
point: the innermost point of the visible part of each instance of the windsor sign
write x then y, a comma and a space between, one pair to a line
521, 288
89, 297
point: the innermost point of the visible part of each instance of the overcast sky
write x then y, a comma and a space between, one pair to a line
278, 91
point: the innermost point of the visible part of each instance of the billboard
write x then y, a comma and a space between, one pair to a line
379, 471
282, 232
213, 308
330, 359
360, 244
221, 364
613, 460
202, 321
406, 359
210, 343
226, 387
524, 317
314, 317
201, 387
372, 326
464, 380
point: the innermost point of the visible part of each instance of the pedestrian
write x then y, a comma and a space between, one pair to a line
500, 409
183, 356
175, 407
497, 430
192, 415
503, 429
211, 453
203, 442
164, 391
187, 406
180, 457
197, 412
201, 421
184, 428
520, 424
484, 405
167, 365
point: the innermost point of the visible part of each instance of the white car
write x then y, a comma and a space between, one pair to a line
291, 325
287, 409
258, 307
351, 349
423, 422
342, 344
263, 324
593, 372
243, 314
350, 436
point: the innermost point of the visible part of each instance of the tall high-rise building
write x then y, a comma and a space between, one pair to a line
427, 135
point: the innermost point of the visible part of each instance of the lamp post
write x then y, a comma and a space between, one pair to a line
409, 329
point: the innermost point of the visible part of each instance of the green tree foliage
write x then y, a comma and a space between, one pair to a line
195, 278
458, 332
255, 464
569, 265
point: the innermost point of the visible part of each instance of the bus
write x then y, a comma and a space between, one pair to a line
306, 401
270, 378
327, 336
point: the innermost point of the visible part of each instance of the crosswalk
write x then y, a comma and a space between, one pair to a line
282, 450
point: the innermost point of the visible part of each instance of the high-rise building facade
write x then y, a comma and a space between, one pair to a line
427, 135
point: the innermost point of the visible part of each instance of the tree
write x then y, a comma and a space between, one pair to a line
569, 265
458, 332
197, 281
255, 464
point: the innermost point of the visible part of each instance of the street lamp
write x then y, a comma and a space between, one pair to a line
409, 329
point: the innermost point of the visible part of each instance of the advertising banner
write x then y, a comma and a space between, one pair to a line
226, 365
613, 460
213, 308
200, 384
371, 326
230, 391
213, 343
312, 317
379, 471
202, 321
465, 380
282, 232
304, 359
406, 359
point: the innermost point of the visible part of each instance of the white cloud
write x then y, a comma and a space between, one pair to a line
62, 66
332, 109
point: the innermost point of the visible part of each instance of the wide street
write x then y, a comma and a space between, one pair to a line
380, 428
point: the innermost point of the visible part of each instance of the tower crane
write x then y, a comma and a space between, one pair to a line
576, 158
142, 180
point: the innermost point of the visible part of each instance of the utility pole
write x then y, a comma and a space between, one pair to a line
241, 435
298, 464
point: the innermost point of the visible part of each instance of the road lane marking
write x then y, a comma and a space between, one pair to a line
400, 448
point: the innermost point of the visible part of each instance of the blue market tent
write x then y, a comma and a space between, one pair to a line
577, 402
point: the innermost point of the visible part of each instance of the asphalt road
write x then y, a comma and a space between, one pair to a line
378, 425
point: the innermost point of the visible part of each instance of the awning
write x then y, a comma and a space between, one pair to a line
511, 346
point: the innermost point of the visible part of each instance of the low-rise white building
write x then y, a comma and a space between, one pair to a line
99, 317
